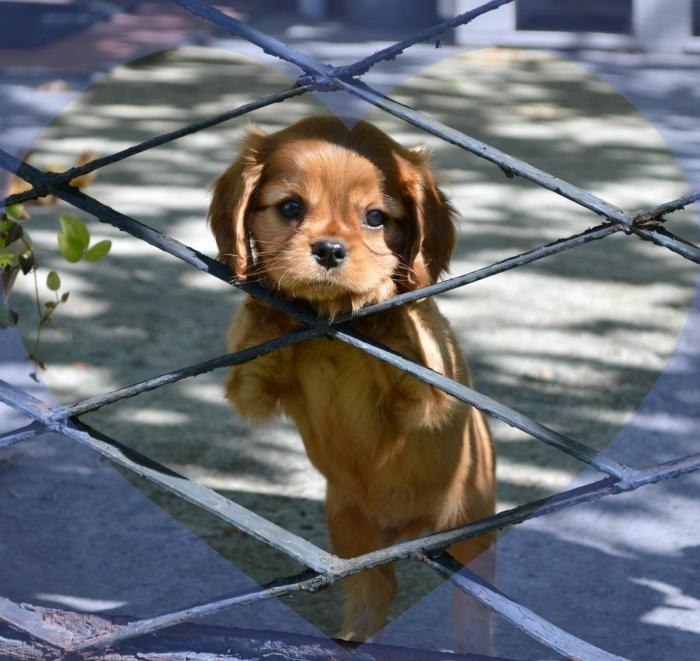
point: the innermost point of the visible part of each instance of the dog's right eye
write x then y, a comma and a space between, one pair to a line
291, 209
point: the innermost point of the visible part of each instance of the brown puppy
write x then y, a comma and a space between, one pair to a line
343, 219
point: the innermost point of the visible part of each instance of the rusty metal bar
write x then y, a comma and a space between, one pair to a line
32, 624
391, 52
305, 581
325, 327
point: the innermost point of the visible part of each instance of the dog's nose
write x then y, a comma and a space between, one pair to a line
329, 253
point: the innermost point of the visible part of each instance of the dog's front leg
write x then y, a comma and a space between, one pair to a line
255, 388
368, 593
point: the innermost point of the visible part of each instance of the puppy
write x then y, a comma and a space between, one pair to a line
342, 219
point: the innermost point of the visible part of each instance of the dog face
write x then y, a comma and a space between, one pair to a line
338, 218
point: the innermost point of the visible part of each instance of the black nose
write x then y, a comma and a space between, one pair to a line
329, 253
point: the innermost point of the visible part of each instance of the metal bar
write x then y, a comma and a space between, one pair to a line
161, 241
484, 403
331, 78
227, 510
662, 237
267, 43
391, 52
32, 624
16, 435
511, 165
542, 507
411, 549
668, 207
234, 514
94, 403
209, 265
306, 580
518, 615
72, 173
592, 234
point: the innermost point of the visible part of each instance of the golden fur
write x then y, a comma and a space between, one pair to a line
399, 455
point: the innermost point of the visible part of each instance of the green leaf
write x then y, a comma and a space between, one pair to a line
69, 247
64, 296
98, 251
15, 211
53, 282
75, 229
7, 259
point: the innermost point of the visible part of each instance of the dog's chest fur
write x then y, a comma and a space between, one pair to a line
347, 408
339, 399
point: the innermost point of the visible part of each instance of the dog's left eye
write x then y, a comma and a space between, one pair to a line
375, 218
290, 209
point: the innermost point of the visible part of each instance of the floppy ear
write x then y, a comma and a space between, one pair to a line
432, 234
233, 192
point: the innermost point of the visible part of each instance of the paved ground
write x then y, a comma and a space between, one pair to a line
577, 341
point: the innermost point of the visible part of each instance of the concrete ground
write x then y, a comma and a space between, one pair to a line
583, 342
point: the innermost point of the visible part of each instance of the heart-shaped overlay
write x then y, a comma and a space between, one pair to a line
684, 360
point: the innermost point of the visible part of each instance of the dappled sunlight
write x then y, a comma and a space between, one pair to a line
152, 417
80, 603
575, 341
546, 339
678, 611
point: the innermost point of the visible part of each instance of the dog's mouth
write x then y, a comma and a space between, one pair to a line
321, 287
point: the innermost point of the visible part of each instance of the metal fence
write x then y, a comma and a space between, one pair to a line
324, 568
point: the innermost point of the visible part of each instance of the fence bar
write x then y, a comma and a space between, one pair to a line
669, 207
268, 44
94, 403
484, 403
419, 547
159, 240
227, 510
662, 237
325, 567
77, 171
330, 78
521, 617
592, 234
346, 567
542, 507
218, 269
511, 166
304, 581
236, 515
32, 624
391, 52
16, 435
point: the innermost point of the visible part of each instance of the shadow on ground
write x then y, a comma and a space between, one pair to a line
575, 341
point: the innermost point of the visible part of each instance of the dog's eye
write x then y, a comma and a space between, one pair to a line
290, 209
375, 218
